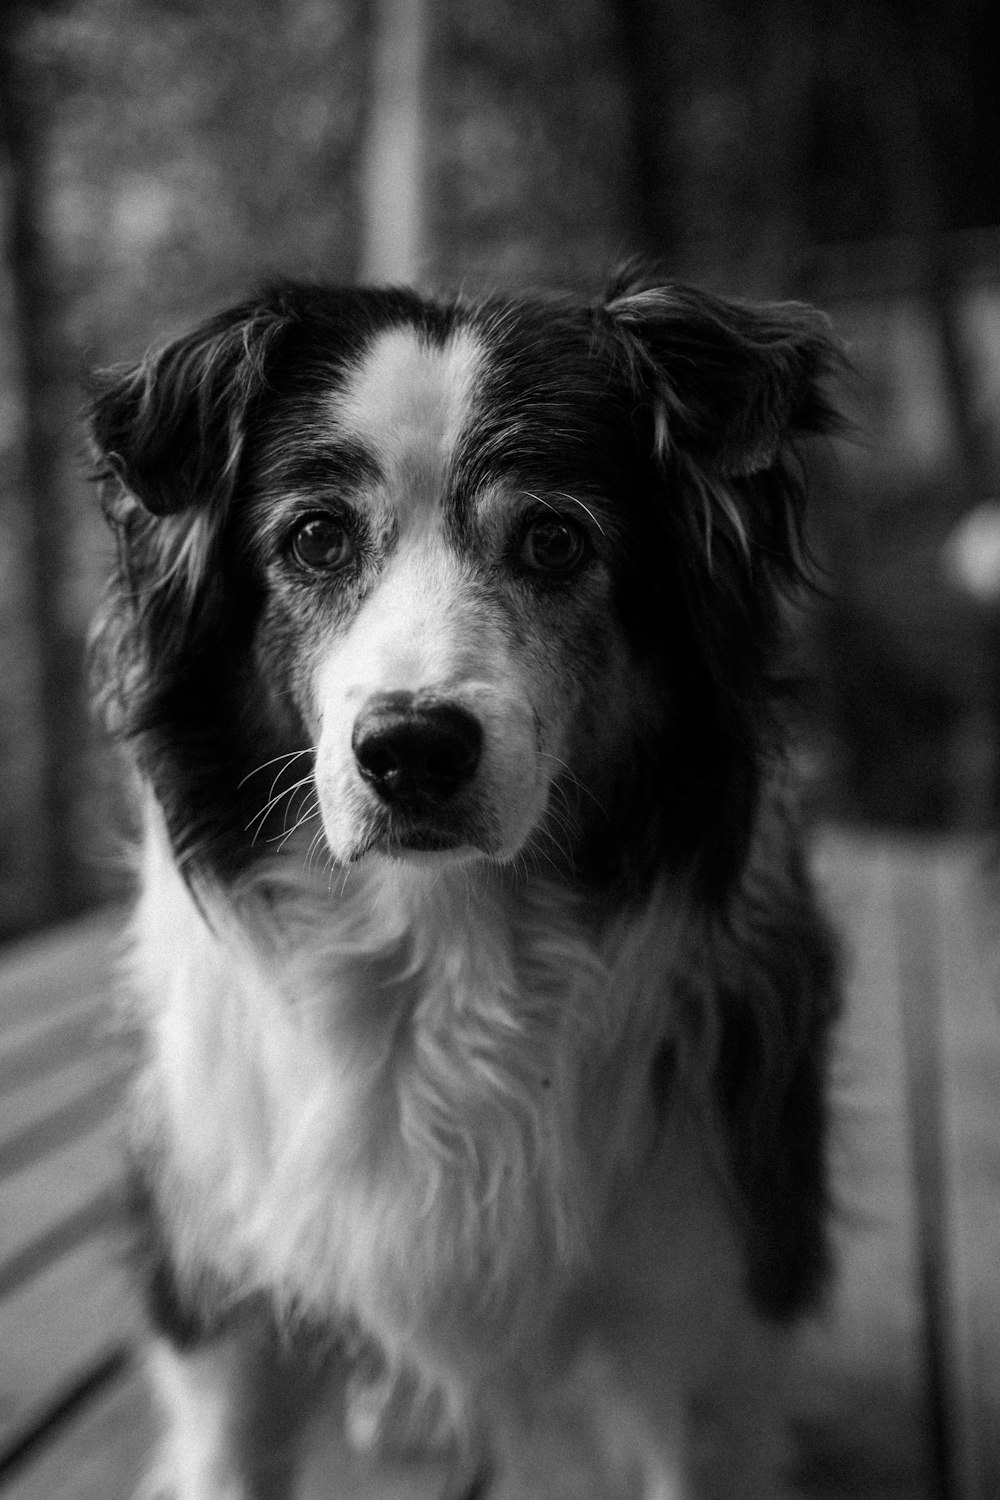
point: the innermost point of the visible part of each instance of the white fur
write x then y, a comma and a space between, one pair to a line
202, 1457
409, 401
420, 1100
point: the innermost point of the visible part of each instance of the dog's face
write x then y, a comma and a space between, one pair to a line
505, 572
443, 615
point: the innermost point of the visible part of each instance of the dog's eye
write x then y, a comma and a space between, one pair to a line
321, 545
551, 545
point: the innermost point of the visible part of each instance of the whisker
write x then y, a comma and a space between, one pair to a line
575, 780
315, 848
541, 853
269, 806
567, 827
282, 839
308, 750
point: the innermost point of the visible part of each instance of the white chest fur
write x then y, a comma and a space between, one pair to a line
412, 1100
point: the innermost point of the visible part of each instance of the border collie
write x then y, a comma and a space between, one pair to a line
486, 1002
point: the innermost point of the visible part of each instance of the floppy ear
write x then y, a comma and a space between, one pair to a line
168, 436
721, 387
170, 430
727, 381
718, 391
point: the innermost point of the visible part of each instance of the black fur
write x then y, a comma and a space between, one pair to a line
706, 524
776, 978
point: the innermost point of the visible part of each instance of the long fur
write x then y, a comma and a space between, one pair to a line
522, 1087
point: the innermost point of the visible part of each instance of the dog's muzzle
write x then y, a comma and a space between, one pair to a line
416, 753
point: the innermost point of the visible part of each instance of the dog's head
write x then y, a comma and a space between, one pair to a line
459, 580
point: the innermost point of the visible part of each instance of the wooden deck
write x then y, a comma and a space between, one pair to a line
902, 1398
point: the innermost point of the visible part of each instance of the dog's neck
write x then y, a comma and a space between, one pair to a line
435, 949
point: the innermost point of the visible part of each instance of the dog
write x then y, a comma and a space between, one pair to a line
485, 1000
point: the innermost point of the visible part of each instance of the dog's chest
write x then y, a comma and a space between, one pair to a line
402, 1111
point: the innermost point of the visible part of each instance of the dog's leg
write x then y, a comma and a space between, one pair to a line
744, 1449
234, 1391
707, 1434
235, 1405
582, 1436
627, 1425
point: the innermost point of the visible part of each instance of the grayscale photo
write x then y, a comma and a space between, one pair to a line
499, 750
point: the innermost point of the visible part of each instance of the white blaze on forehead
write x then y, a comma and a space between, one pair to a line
409, 400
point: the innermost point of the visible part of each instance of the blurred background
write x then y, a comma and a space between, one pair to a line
160, 157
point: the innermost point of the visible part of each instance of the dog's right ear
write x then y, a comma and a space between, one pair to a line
168, 436
169, 431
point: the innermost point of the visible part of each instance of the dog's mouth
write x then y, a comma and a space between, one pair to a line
397, 835
392, 839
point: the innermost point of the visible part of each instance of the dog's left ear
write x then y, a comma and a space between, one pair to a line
725, 382
718, 390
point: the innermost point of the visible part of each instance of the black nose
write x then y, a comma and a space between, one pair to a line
413, 751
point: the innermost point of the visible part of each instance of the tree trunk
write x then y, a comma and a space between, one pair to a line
42, 525
393, 187
651, 209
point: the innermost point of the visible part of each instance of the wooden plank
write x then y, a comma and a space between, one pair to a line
971, 1065
72, 967
36, 1201
919, 922
104, 1213
37, 1118
101, 1456
863, 1410
33, 1047
393, 151
60, 1324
